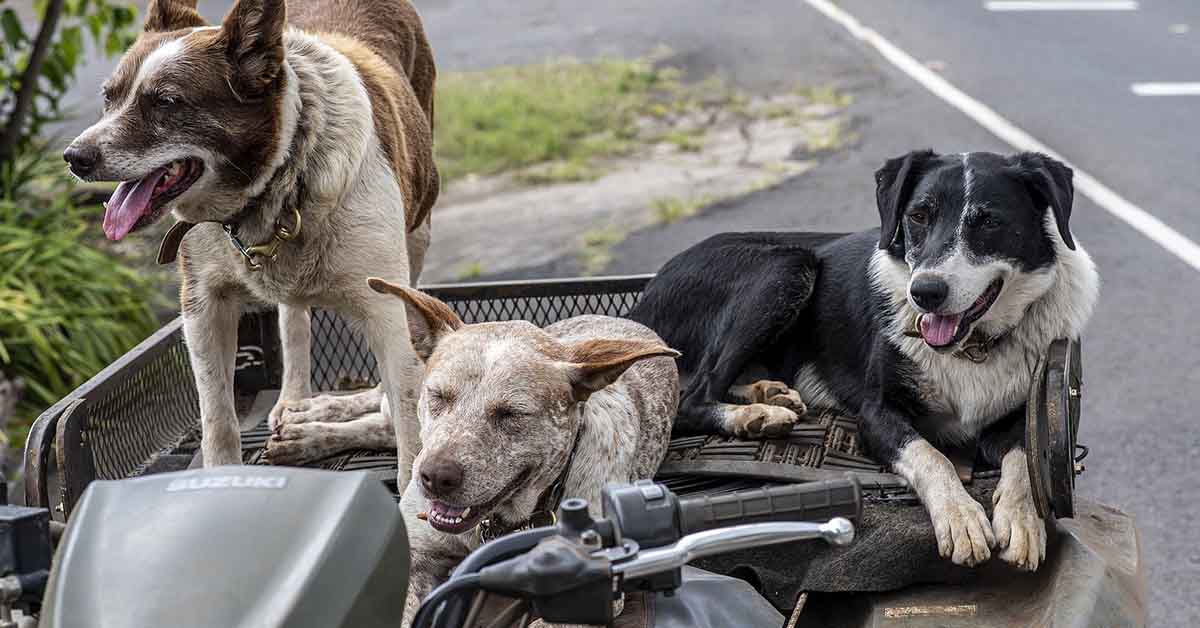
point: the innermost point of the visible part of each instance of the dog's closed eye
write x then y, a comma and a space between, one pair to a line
438, 399
504, 414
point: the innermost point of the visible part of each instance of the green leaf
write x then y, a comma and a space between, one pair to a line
113, 45
52, 69
122, 16
72, 44
14, 35
95, 26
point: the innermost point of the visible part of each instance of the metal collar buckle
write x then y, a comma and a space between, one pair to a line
265, 252
488, 530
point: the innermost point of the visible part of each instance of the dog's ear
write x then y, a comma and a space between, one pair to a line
253, 32
163, 16
428, 318
593, 364
1050, 184
893, 185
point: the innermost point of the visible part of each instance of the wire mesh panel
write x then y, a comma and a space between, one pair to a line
342, 359
141, 414
144, 414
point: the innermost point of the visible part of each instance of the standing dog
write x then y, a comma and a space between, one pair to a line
298, 144
929, 329
514, 417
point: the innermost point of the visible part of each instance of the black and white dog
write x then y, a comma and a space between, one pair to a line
929, 328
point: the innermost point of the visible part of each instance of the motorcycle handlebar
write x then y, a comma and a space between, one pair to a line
814, 501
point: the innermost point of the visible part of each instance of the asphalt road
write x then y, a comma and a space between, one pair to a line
1064, 77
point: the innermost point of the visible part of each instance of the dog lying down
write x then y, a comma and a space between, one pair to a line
513, 418
927, 328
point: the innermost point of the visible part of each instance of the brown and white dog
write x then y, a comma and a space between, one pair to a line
513, 417
298, 142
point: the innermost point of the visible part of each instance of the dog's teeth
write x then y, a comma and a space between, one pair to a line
466, 513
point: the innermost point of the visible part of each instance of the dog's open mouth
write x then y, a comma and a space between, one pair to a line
945, 330
458, 519
142, 202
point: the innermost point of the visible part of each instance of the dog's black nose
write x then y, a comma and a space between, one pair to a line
441, 476
83, 159
928, 292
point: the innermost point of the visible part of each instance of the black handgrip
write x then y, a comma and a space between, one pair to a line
813, 501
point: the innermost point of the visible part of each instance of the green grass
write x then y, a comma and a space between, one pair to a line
673, 209
826, 95
829, 138
470, 271
515, 117
685, 141
560, 172
596, 253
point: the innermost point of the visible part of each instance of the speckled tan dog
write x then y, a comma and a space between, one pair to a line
514, 417
294, 144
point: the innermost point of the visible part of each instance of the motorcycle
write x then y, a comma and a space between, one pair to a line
295, 547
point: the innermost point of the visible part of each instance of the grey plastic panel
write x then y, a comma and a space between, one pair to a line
232, 547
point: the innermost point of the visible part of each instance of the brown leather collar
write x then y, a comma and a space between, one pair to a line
168, 249
254, 256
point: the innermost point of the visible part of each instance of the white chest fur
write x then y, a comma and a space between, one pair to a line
965, 397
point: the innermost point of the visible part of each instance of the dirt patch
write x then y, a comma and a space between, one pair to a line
677, 164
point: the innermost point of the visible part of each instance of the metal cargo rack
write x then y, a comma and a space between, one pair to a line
141, 415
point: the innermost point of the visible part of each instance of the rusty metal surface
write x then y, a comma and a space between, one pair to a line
1052, 421
1093, 576
39, 446
74, 459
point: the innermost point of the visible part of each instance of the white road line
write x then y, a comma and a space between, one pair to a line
1166, 89
1061, 5
1141, 220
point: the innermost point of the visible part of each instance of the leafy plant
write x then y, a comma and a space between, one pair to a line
68, 308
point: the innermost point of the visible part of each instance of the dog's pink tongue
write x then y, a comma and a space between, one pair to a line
130, 202
938, 330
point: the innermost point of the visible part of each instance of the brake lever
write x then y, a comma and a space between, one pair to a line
836, 531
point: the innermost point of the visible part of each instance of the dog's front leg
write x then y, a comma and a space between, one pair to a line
401, 372
960, 524
1020, 531
210, 323
295, 333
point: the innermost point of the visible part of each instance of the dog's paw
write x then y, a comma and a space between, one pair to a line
295, 445
275, 417
964, 534
319, 409
779, 394
1020, 532
760, 420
